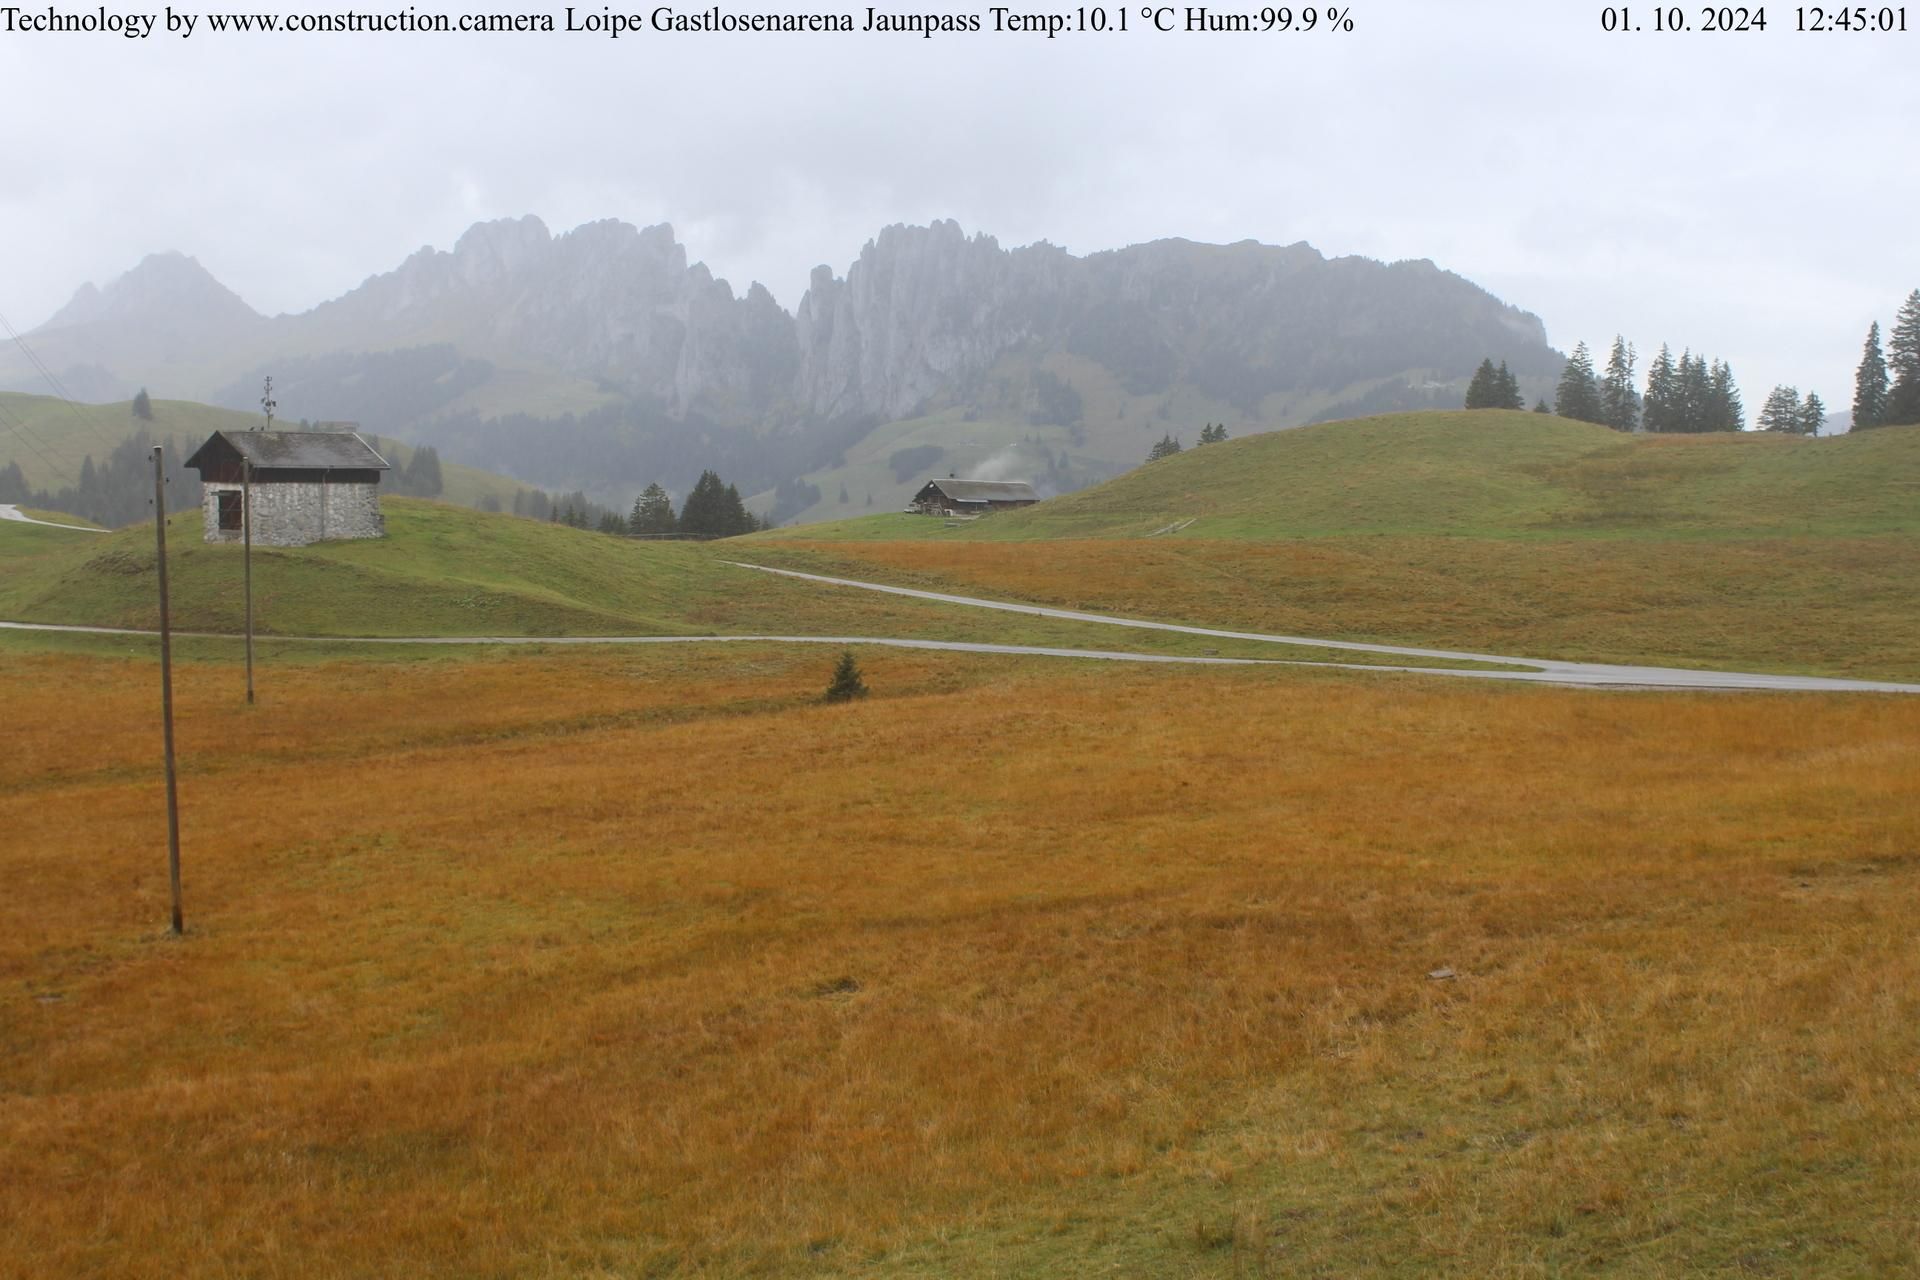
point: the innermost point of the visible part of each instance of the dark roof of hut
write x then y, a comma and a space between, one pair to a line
295, 450
986, 490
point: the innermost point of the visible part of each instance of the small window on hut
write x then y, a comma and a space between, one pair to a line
229, 500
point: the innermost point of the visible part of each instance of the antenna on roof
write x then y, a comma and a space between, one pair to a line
268, 403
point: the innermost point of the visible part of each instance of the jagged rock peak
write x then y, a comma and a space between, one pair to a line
170, 286
504, 247
503, 232
485, 253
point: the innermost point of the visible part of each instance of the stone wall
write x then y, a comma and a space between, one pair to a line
293, 515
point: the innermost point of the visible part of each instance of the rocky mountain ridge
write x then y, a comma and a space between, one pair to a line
921, 309
609, 318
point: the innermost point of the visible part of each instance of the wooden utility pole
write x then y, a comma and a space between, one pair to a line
246, 558
166, 685
269, 404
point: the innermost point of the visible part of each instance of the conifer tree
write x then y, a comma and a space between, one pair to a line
1540, 406
1689, 395
652, 512
142, 407
1481, 390
1813, 415
1782, 410
1578, 396
1657, 412
1619, 402
702, 512
1166, 447
1870, 383
1725, 412
1903, 362
1507, 389
847, 683
737, 519
713, 508
1693, 399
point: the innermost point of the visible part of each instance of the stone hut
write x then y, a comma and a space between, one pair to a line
307, 486
971, 497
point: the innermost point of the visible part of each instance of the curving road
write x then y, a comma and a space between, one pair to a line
8, 511
1545, 670
959, 646
1541, 670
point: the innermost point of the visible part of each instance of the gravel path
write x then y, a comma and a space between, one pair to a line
1545, 670
8, 511
1542, 670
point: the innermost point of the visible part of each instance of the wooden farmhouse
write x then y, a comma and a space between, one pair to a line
971, 497
307, 486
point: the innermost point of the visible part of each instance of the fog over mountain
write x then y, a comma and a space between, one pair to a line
602, 358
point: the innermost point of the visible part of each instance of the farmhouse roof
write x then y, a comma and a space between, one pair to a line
295, 450
986, 490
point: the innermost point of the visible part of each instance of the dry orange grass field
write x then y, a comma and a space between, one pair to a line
644, 963
1827, 605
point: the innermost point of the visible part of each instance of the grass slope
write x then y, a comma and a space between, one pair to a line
1495, 532
446, 570
1480, 474
50, 438
643, 963
1499, 532
441, 570
24, 548
1821, 606
995, 435
59, 517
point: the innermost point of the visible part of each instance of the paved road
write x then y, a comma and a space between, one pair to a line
957, 646
8, 511
1545, 670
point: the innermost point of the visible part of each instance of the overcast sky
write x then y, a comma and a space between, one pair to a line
1749, 195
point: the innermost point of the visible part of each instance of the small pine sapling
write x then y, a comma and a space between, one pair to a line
847, 684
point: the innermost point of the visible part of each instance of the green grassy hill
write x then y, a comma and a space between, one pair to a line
1498, 532
1503, 533
995, 432
26, 547
58, 517
1484, 474
50, 438
444, 570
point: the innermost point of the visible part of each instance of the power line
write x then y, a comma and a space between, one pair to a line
27, 351
59, 388
37, 445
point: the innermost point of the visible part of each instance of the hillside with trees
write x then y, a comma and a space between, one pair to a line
1886, 388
